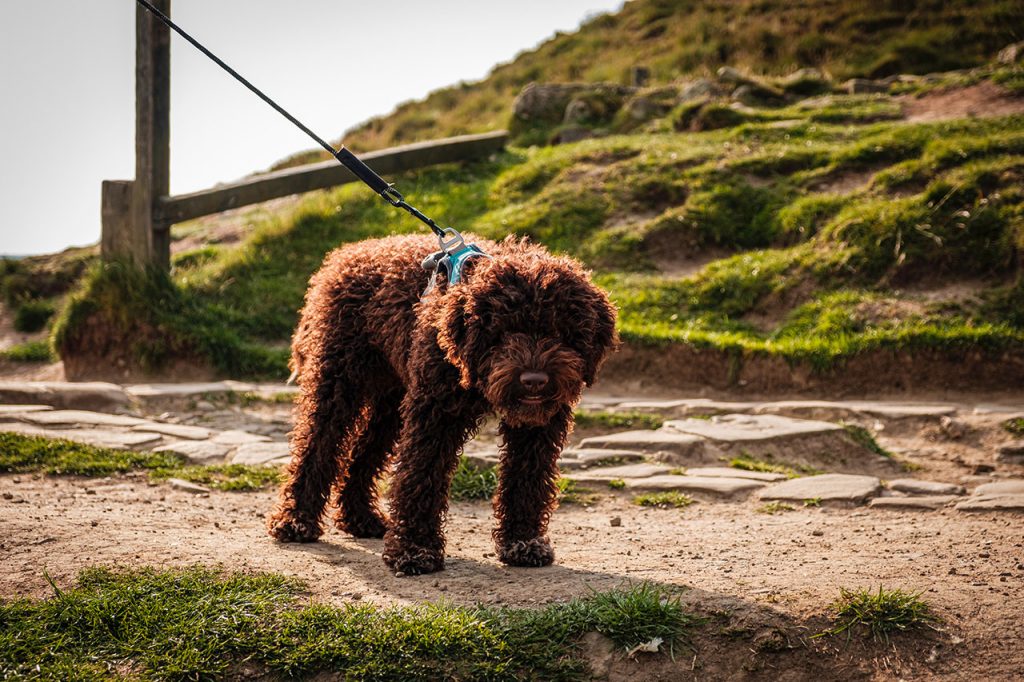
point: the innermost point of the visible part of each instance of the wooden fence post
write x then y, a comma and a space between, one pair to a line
152, 136
118, 239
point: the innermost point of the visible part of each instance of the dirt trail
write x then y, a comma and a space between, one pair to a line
983, 100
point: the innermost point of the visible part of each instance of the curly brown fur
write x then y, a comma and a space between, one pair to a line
384, 376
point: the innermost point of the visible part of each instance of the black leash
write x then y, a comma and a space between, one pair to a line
449, 238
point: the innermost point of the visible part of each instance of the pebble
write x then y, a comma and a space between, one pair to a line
615, 521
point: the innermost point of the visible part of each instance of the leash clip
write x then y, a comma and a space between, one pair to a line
392, 195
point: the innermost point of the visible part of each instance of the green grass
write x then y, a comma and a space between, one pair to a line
748, 462
598, 419
57, 457
880, 614
664, 499
32, 315
865, 439
1014, 426
812, 502
30, 351
197, 623
472, 483
570, 492
774, 507
617, 484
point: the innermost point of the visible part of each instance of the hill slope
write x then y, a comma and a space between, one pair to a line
677, 39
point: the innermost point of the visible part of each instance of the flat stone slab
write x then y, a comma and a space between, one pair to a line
175, 430
1011, 453
928, 502
650, 442
984, 503
711, 485
188, 389
743, 428
728, 472
826, 487
9, 410
260, 453
588, 457
238, 438
1011, 487
626, 471
86, 395
834, 409
79, 418
913, 486
198, 451
104, 438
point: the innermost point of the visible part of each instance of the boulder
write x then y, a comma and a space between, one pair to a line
864, 86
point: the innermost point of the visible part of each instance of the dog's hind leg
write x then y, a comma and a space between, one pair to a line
528, 490
326, 413
358, 512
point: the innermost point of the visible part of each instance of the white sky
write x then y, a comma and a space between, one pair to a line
67, 82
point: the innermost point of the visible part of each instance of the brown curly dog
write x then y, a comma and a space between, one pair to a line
382, 373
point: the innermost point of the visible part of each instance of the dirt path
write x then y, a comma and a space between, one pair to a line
760, 572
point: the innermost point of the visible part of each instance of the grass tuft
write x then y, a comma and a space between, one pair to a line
880, 613
1014, 426
748, 462
197, 623
774, 507
473, 483
30, 351
865, 439
599, 419
664, 500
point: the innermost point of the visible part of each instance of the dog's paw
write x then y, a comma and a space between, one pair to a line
367, 525
410, 559
535, 552
285, 528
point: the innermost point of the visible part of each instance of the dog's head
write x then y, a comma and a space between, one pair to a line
527, 329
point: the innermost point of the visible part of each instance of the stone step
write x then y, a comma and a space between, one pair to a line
986, 503
835, 488
583, 458
729, 472
89, 395
711, 485
674, 445
913, 486
742, 429
627, 471
76, 418
114, 439
901, 503
260, 453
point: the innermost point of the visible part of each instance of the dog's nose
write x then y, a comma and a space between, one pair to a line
534, 380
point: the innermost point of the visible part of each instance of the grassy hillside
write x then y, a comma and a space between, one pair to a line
678, 39
794, 223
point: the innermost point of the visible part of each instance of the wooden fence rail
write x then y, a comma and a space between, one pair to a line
176, 209
137, 214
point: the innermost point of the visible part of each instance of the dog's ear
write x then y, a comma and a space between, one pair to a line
588, 325
458, 334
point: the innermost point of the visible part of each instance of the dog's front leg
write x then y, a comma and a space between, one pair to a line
528, 490
435, 427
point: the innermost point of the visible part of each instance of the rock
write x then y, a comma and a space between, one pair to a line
86, 395
983, 503
1011, 487
615, 521
695, 484
104, 438
728, 74
951, 428
1011, 54
588, 457
626, 471
650, 104
913, 486
544, 101
917, 502
742, 428
238, 438
676, 446
260, 453
1011, 453
702, 88
14, 410
826, 487
754, 95
827, 409
728, 472
806, 82
863, 86
198, 451
182, 390
187, 486
79, 418
174, 430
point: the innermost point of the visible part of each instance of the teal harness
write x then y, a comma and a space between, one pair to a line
451, 259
